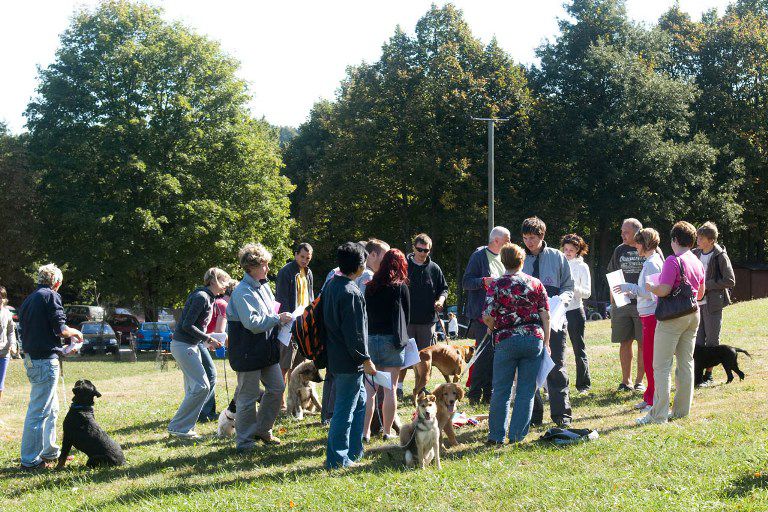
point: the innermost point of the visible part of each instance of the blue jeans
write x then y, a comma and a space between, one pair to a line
38, 440
345, 436
196, 388
209, 409
522, 354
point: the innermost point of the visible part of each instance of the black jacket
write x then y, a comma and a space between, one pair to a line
346, 326
42, 319
285, 286
195, 317
426, 285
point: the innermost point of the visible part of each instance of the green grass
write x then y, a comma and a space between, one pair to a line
714, 460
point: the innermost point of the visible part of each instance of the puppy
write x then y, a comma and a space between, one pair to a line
226, 426
447, 396
82, 431
449, 359
707, 357
302, 396
421, 439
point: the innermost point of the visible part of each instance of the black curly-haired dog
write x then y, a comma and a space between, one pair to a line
708, 357
82, 431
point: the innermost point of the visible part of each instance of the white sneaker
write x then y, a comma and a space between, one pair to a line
184, 435
641, 405
647, 420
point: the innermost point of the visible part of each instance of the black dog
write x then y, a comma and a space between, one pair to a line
82, 431
708, 357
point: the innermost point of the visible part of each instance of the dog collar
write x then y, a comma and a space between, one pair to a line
81, 407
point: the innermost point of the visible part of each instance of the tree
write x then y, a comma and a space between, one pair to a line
151, 169
397, 153
614, 132
18, 222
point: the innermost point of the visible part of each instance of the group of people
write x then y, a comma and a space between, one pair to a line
377, 299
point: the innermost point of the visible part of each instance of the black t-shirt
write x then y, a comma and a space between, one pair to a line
383, 306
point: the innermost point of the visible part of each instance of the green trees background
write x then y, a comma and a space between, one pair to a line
142, 165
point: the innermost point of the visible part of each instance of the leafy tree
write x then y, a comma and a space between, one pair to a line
397, 152
18, 222
614, 132
151, 168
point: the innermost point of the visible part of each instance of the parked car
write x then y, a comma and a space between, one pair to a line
98, 337
153, 335
125, 323
77, 314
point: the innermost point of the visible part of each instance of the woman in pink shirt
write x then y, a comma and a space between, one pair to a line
675, 337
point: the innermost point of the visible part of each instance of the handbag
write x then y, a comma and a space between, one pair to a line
681, 300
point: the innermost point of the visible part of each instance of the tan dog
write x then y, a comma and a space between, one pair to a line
447, 396
449, 359
421, 439
302, 396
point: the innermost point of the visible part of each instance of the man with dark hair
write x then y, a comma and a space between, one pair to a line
625, 321
428, 291
551, 267
720, 277
293, 289
484, 266
346, 339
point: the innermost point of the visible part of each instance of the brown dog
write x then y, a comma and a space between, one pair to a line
421, 439
449, 359
447, 396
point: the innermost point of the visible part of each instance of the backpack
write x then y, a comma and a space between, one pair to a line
307, 332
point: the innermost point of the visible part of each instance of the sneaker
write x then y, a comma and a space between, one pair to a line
646, 420
495, 444
641, 405
640, 387
184, 435
582, 392
389, 437
624, 388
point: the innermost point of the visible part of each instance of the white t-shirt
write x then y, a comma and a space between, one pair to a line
453, 325
704, 258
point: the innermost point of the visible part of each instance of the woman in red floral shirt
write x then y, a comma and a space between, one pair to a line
517, 311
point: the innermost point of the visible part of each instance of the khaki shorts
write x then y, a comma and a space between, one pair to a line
424, 334
625, 324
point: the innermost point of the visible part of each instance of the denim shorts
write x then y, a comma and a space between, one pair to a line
383, 352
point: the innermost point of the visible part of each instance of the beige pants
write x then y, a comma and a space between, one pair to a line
673, 338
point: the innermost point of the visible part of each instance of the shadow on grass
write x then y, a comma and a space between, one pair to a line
745, 485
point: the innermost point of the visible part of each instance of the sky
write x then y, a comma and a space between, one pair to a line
292, 53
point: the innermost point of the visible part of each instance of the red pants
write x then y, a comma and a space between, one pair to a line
649, 329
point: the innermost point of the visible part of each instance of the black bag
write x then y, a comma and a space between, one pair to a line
681, 300
400, 326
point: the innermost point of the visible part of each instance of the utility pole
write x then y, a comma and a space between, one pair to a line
491, 124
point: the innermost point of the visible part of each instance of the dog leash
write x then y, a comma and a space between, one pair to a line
226, 383
480, 348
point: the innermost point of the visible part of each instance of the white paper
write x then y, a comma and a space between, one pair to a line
284, 334
383, 379
653, 279
411, 354
547, 364
556, 313
73, 347
615, 279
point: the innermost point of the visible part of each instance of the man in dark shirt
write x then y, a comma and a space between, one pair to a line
346, 338
625, 321
42, 321
428, 291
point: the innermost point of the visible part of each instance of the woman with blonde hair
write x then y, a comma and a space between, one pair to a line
186, 345
253, 353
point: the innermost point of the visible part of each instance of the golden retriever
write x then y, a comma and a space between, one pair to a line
449, 359
447, 396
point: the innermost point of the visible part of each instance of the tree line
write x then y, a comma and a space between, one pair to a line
142, 165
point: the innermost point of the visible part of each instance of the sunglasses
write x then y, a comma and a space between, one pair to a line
421, 249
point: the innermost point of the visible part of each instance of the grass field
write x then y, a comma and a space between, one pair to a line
714, 460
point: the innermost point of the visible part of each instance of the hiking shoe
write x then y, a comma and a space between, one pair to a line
624, 388
184, 435
268, 439
640, 387
641, 405
41, 466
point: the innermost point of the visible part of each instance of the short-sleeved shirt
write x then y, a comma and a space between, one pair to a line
514, 302
692, 268
495, 264
219, 310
